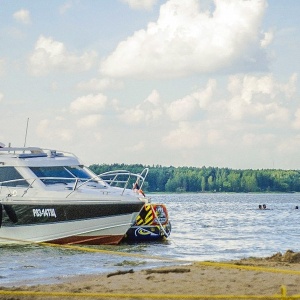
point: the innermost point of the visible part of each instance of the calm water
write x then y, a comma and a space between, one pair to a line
204, 227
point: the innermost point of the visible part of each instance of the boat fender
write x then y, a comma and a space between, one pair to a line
153, 214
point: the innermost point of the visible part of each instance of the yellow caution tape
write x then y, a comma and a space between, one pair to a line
249, 268
140, 296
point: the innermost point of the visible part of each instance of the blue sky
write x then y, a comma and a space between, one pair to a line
181, 83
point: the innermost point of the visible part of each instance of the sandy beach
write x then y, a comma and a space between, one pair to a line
252, 276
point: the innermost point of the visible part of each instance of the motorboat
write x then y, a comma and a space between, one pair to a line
50, 196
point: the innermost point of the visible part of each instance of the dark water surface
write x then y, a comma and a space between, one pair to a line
204, 227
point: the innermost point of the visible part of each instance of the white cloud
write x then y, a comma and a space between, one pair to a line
51, 55
52, 131
186, 40
205, 96
290, 88
249, 86
182, 109
89, 121
132, 115
259, 96
89, 104
186, 136
153, 98
236, 108
1, 97
101, 84
140, 4
276, 113
148, 111
22, 16
267, 39
185, 108
254, 103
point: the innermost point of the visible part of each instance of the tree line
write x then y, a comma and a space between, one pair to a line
210, 179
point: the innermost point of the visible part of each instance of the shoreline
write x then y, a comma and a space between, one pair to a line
251, 276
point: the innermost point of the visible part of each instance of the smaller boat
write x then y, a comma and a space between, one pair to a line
151, 224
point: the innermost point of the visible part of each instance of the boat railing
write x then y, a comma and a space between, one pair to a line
117, 178
79, 182
12, 184
122, 178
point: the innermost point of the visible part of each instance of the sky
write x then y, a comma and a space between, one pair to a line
173, 83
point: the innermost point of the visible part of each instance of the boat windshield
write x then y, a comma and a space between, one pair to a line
60, 174
9, 176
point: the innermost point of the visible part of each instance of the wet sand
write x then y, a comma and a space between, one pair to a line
252, 276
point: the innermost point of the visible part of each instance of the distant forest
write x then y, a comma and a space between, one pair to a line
210, 179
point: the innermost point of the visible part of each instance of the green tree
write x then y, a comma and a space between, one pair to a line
191, 179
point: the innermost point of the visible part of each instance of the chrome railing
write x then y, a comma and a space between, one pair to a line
119, 178
122, 178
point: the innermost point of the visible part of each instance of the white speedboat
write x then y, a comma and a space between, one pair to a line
49, 196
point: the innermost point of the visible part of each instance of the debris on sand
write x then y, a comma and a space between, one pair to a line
289, 256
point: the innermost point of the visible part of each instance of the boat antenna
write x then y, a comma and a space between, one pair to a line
26, 132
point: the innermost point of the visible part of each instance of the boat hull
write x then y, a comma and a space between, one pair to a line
69, 223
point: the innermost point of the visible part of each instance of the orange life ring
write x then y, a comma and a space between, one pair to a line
161, 216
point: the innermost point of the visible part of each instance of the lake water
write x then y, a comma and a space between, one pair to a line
214, 227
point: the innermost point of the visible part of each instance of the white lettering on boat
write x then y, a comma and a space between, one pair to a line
45, 212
